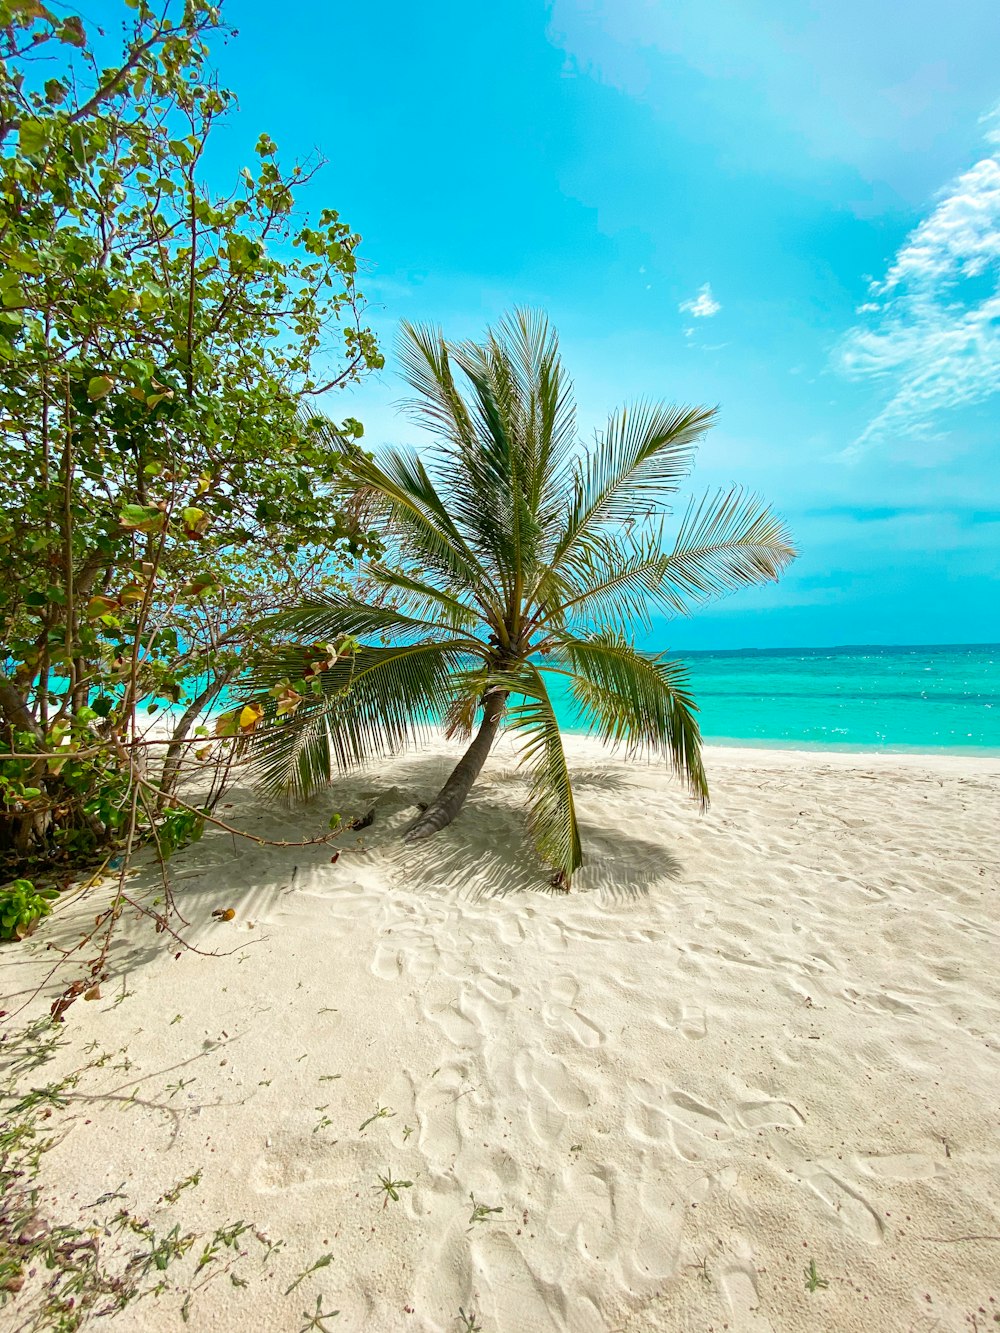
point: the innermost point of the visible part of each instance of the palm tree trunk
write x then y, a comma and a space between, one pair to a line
174, 756
451, 797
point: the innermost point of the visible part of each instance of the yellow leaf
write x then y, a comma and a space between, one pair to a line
250, 715
101, 606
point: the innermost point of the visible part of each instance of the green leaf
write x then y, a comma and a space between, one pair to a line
33, 136
99, 387
142, 518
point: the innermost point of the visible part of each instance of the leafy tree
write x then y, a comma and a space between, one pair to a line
512, 558
163, 346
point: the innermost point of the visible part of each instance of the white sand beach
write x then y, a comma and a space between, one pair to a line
747, 1041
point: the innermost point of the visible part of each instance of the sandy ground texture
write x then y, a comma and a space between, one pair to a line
748, 1042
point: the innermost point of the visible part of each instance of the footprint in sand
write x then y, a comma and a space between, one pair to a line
678, 1118
738, 1280
564, 989
475, 1014
649, 1221
512, 1296
716, 1182
562, 1014
766, 1115
424, 963
500, 992
509, 930
302, 1164
656, 1247
582, 1208
552, 1093
436, 1106
442, 1281
580, 1028
387, 963
855, 1213
688, 1019
457, 1026
900, 1166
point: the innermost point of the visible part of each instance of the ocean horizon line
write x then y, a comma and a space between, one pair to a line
986, 646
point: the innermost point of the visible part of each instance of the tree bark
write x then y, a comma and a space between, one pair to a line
14, 711
451, 797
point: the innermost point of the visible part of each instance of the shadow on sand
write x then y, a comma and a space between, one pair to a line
487, 853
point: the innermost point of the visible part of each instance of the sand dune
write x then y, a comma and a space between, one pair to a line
747, 1041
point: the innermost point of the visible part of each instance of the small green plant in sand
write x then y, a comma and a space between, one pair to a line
179, 1086
813, 1280
381, 1113
171, 1196
407, 1131
324, 1121
390, 1188
64, 1265
324, 1261
22, 906
701, 1268
314, 1319
225, 1238
481, 1212
467, 1321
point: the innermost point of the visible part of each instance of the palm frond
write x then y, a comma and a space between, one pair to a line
421, 520
537, 394
468, 688
425, 361
490, 491
420, 598
327, 618
645, 452
551, 809
728, 540
372, 705
642, 702
609, 582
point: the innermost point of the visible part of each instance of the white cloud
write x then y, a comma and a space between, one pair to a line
934, 336
702, 306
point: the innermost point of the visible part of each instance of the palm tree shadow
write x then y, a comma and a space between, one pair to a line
488, 851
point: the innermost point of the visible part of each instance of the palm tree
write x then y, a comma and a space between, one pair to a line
512, 557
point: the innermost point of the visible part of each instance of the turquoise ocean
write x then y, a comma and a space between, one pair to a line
859, 698
944, 698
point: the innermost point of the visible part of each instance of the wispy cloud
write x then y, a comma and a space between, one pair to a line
702, 306
933, 326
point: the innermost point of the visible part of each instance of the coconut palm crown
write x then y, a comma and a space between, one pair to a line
513, 557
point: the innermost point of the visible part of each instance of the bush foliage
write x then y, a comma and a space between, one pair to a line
164, 347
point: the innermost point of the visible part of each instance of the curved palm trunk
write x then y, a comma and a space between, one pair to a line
175, 750
451, 797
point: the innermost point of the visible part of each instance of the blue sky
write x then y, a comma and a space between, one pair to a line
790, 209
